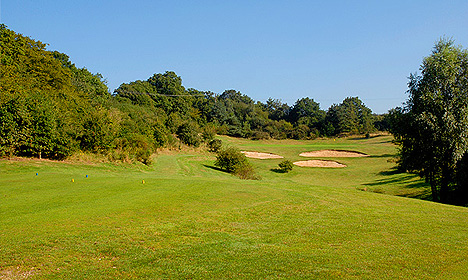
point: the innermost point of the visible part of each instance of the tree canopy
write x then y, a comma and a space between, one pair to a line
51, 108
432, 129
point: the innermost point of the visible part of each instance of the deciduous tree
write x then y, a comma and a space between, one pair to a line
433, 132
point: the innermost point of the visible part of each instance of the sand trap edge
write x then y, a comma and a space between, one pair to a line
319, 163
259, 155
333, 153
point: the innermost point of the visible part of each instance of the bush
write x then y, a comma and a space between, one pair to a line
215, 145
229, 158
245, 171
285, 166
260, 135
140, 148
235, 162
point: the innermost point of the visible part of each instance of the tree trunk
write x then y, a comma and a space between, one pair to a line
444, 183
434, 191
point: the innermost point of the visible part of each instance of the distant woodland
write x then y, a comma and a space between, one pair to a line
49, 108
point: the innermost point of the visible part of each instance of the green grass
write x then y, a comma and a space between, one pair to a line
189, 220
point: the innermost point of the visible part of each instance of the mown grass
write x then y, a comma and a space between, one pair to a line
189, 220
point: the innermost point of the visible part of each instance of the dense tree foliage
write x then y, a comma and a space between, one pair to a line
51, 108
349, 117
432, 129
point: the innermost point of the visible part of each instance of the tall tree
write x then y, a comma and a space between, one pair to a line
350, 117
306, 111
277, 110
434, 132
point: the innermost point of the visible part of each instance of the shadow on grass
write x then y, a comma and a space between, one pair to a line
215, 168
278, 170
399, 184
392, 171
383, 156
363, 137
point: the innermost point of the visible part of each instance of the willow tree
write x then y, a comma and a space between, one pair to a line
434, 133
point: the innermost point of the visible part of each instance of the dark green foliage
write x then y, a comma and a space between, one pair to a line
132, 147
98, 131
307, 112
215, 145
285, 166
208, 132
160, 135
173, 122
460, 195
260, 135
14, 119
50, 108
138, 92
229, 158
93, 85
301, 131
277, 110
381, 122
432, 129
188, 133
235, 162
349, 117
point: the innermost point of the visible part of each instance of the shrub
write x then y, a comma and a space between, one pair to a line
260, 135
132, 147
285, 166
235, 162
215, 145
229, 158
140, 148
245, 171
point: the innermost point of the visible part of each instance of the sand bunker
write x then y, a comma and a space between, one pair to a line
319, 163
333, 153
258, 155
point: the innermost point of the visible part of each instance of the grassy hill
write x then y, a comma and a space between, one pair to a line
190, 220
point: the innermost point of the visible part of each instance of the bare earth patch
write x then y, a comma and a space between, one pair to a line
12, 273
258, 155
319, 163
333, 153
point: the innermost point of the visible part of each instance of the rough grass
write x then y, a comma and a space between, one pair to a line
190, 220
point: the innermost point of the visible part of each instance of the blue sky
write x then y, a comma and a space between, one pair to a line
325, 50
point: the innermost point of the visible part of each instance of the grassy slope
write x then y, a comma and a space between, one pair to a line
191, 221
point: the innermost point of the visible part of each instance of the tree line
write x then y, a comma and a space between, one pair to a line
49, 108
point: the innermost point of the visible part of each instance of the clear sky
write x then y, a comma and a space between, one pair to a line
325, 50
